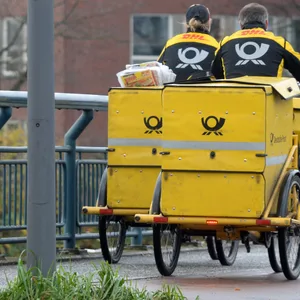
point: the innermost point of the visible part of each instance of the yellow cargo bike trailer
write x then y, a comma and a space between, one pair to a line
229, 169
126, 187
134, 162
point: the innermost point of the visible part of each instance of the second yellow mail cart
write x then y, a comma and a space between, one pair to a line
126, 188
229, 168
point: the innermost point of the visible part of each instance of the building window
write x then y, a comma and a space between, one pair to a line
281, 26
223, 26
295, 34
149, 33
216, 29
14, 47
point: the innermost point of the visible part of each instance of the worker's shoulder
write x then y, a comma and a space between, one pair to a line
253, 33
193, 37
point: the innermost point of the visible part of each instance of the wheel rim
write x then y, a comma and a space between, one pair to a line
168, 239
289, 237
227, 256
274, 253
227, 247
292, 240
113, 233
292, 237
276, 247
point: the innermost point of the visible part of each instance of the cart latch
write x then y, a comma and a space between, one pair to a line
164, 153
261, 155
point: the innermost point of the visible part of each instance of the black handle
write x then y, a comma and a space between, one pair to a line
164, 153
261, 155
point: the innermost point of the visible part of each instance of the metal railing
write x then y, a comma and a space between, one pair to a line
77, 178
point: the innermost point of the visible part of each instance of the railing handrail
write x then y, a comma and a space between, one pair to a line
18, 99
79, 149
77, 179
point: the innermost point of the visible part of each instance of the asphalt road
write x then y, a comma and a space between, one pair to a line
251, 276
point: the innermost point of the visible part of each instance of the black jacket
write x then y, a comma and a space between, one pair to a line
255, 52
188, 53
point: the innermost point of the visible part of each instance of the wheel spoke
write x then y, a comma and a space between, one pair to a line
113, 233
293, 250
167, 244
227, 244
112, 238
227, 251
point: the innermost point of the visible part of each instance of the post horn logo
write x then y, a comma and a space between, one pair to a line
151, 127
215, 129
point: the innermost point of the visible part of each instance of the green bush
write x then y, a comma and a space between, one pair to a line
102, 284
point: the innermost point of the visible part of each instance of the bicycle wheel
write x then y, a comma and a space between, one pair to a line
211, 247
168, 237
289, 252
227, 251
289, 237
112, 233
273, 253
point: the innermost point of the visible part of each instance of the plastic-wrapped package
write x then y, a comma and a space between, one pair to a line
168, 74
145, 74
139, 77
148, 64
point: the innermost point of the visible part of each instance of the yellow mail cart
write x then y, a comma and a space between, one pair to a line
126, 188
229, 169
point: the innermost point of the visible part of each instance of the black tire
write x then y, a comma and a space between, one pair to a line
155, 207
166, 268
273, 254
211, 247
288, 235
227, 259
112, 254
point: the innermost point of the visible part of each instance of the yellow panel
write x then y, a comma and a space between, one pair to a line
286, 87
188, 110
279, 128
134, 126
296, 118
296, 103
135, 156
131, 187
271, 175
252, 142
212, 194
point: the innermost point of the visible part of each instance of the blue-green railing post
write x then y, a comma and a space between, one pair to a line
70, 157
138, 239
5, 114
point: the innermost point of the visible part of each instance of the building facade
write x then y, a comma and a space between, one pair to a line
95, 39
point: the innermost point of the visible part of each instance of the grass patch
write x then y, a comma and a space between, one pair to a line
102, 284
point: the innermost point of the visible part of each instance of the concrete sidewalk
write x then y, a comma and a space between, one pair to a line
93, 254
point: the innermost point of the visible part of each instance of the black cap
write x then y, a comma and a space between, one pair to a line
199, 12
